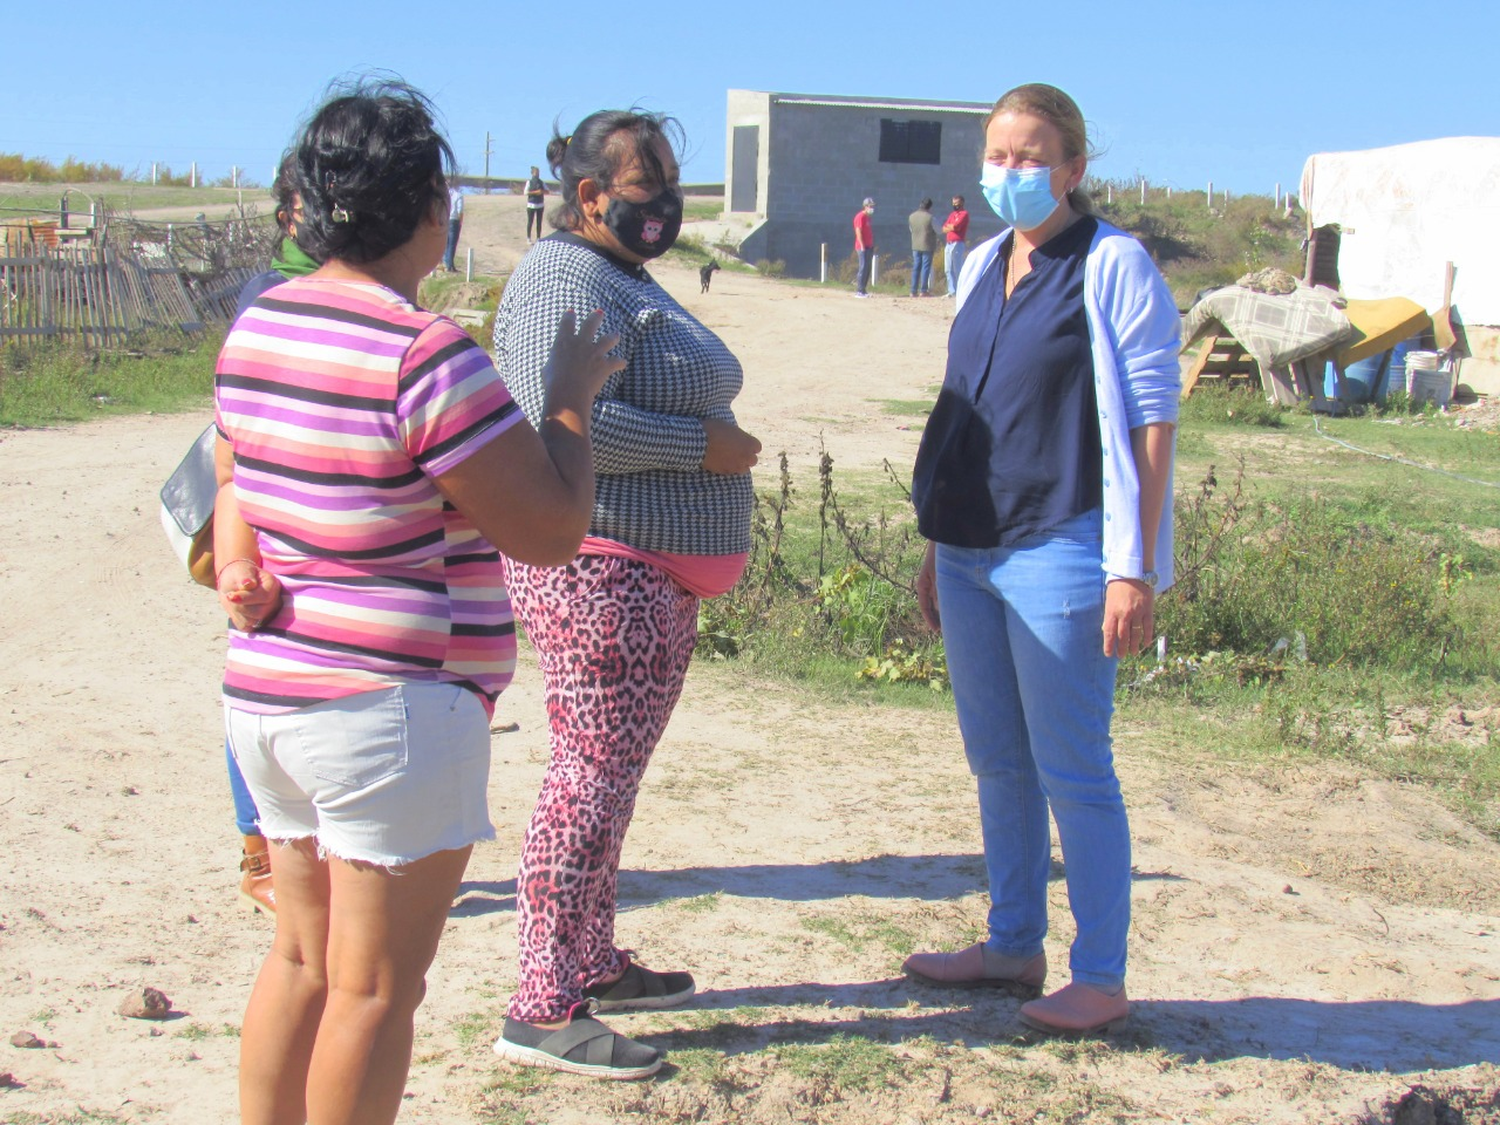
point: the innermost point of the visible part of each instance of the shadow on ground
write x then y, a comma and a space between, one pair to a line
924, 877
1396, 1036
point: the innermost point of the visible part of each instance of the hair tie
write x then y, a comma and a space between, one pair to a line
340, 215
567, 140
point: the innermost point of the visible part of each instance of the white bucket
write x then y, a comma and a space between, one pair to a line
1428, 380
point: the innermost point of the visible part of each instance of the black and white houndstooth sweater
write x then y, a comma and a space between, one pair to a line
651, 491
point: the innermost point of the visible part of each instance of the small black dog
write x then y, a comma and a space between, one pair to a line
706, 274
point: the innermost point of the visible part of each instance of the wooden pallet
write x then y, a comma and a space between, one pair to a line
1222, 359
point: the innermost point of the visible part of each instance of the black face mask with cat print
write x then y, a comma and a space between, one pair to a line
647, 229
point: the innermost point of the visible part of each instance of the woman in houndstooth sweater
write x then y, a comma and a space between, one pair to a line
614, 629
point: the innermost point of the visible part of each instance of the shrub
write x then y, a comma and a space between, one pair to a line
16, 168
1216, 403
1263, 579
690, 249
837, 586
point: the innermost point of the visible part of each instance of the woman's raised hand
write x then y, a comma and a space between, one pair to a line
580, 362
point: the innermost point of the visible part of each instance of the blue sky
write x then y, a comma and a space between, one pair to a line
1182, 93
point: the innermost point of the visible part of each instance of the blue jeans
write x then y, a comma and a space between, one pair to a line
454, 226
953, 261
1035, 694
862, 282
921, 271
246, 815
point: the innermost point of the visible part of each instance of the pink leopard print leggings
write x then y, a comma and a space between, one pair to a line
613, 637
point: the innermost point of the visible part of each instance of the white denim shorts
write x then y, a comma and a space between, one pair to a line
385, 777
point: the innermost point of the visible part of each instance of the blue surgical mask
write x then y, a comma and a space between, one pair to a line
1022, 197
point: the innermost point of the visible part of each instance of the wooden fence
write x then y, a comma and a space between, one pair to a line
96, 292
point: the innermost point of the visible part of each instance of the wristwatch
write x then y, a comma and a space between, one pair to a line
1150, 578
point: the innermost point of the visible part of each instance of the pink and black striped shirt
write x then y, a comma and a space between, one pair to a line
343, 401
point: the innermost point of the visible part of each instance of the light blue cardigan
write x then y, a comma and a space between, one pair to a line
1135, 333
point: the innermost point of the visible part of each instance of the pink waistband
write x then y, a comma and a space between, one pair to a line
707, 576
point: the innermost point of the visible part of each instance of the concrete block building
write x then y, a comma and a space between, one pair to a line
797, 166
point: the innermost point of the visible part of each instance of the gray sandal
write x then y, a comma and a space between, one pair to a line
585, 1047
641, 988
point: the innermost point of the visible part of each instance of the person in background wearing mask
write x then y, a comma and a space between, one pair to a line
923, 245
615, 628
864, 246
955, 231
1043, 484
455, 224
536, 195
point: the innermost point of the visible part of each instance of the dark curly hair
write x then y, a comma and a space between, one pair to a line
603, 144
369, 167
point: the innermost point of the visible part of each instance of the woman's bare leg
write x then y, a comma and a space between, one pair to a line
383, 932
286, 1005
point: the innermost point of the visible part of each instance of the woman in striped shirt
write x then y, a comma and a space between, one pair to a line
371, 461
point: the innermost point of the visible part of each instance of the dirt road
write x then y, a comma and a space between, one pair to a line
1307, 945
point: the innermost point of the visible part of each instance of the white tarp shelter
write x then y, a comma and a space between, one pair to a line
1407, 210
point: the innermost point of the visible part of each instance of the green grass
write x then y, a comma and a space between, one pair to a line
53, 384
438, 291
692, 251
701, 1064
1337, 586
514, 1080
906, 407
823, 605
701, 208
502, 1101
475, 1029
859, 931
701, 904
124, 196
845, 1062
1348, 586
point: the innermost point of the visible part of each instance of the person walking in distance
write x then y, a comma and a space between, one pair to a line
864, 246
455, 224
536, 194
955, 231
923, 246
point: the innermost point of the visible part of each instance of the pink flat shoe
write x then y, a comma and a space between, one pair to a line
1077, 1009
965, 969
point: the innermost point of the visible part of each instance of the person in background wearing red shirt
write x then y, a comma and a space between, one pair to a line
956, 229
864, 246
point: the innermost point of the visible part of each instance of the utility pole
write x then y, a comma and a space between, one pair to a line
488, 149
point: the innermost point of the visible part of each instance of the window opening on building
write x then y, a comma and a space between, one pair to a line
911, 142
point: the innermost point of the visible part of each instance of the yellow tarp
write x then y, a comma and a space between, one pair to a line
1379, 325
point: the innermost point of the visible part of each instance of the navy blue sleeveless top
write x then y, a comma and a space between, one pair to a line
1012, 447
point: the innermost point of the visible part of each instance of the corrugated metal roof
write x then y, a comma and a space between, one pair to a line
881, 103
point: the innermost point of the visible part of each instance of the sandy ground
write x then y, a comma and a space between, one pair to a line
1308, 945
